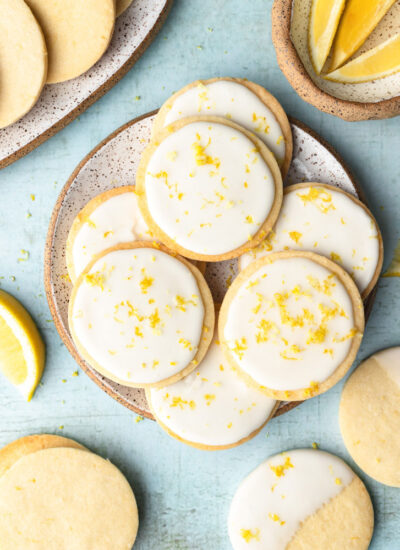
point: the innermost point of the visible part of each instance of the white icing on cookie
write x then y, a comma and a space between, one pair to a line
235, 102
208, 188
116, 220
272, 502
389, 360
329, 223
212, 406
139, 314
290, 324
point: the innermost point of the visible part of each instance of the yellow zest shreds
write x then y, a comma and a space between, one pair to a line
311, 390
66, 277
276, 518
325, 287
279, 140
293, 349
314, 445
250, 534
318, 335
24, 256
146, 282
155, 320
335, 257
240, 347
286, 318
138, 332
262, 125
338, 481
209, 397
251, 284
202, 96
265, 328
139, 419
394, 267
347, 336
132, 311
295, 236
279, 470
328, 351
321, 198
181, 403
107, 234
229, 426
200, 156
91, 223
182, 303
95, 279
185, 343
249, 219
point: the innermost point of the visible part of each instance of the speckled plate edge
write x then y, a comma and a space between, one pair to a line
99, 380
93, 97
293, 69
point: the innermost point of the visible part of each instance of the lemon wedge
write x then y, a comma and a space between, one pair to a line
359, 19
394, 268
323, 24
381, 61
22, 350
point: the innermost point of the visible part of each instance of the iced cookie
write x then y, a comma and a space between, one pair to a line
326, 220
208, 189
77, 34
66, 498
23, 61
123, 5
246, 103
111, 218
370, 416
301, 499
292, 323
141, 316
212, 408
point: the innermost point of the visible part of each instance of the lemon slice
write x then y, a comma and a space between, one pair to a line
359, 19
381, 61
324, 21
394, 268
21, 346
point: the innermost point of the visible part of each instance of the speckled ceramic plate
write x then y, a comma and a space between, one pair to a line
59, 104
114, 163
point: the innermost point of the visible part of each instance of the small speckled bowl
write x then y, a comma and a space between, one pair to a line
353, 102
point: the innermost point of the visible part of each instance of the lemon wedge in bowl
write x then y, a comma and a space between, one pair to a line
359, 19
323, 24
22, 352
381, 61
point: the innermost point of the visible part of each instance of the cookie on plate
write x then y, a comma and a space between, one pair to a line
244, 102
141, 316
212, 408
23, 61
301, 499
328, 221
369, 416
292, 323
208, 188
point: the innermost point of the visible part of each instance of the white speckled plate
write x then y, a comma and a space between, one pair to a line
113, 163
59, 104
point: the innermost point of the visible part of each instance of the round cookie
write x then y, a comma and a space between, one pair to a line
212, 408
301, 499
12, 452
208, 188
141, 316
23, 61
244, 102
328, 221
369, 416
122, 5
55, 498
111, 218
77, 34
292, 323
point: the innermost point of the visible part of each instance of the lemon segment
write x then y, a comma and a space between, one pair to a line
379, 62
359, 19
22, 352
323, 24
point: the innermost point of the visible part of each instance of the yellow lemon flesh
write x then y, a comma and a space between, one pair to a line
381, 61
359, 19
22, 351
324, 21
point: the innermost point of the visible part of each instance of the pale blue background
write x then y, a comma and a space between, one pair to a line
183, 493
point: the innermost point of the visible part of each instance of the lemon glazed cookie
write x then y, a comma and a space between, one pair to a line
141, 316
212, 408
370, 418
208, 188
292, 323
301, 499
326, 220
236, 99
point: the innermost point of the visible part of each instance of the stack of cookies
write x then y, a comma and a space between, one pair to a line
210, 188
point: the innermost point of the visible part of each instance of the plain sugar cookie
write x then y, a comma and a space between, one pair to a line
212, 408
208, 189
244, 102
370, 416
328, 221
111, 218
23, 61
77, 34
292, 322
66, 498
141, 316
301, 499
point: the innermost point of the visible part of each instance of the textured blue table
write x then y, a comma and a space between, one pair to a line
184, 494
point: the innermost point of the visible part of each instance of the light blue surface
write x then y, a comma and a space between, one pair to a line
183, 493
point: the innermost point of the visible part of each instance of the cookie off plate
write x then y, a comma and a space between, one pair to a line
113, 163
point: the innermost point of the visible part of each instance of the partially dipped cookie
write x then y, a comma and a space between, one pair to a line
301, 499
